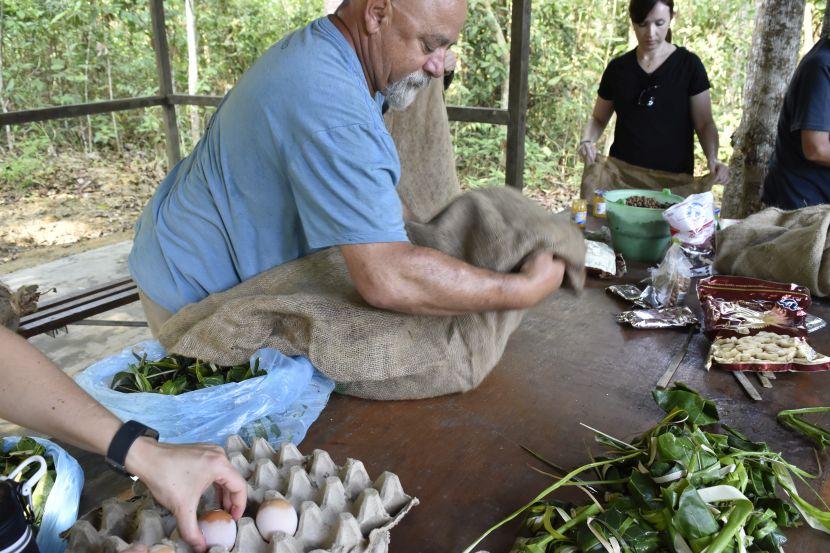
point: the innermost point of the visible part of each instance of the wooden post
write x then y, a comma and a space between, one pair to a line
517, 99
171, 130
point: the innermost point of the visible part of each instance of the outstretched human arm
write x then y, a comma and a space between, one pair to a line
399, 276
36, 394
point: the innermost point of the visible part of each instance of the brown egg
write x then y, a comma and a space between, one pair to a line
276, 515
218, 528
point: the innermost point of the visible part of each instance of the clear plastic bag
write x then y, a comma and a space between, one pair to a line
671, 280
61, 508
284, 402
692, 223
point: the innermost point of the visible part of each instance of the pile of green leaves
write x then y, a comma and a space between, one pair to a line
677, 487
21, 451
174, 375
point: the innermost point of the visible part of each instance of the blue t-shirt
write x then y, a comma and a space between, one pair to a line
793, 181
295, 159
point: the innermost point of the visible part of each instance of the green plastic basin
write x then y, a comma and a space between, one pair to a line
639, 233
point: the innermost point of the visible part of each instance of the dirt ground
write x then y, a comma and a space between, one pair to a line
75, 202
72, 203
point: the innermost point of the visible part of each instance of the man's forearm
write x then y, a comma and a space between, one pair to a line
424, 281
429, 282
38, 395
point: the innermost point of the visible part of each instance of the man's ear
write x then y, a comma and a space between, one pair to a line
376, 15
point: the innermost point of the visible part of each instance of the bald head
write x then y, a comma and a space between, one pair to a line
401, 44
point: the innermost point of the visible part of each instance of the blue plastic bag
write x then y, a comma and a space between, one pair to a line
292, 424
61, 508
212, 414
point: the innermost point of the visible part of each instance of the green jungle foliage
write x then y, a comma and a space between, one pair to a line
73, 51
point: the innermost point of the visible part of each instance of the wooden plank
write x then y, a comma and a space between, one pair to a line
675, 362
493, 116
517, 98
64, 318
194, 100
165, 77
455, 113
64, 298
77, 302
747, 386
78, 110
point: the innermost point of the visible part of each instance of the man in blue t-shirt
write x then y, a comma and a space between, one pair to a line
799, 170
297, 158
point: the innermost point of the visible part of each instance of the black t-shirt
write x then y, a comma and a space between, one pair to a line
793, 181
660, 135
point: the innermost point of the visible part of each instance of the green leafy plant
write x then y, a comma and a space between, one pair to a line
793, 419
174, 375
677, 487
21, 451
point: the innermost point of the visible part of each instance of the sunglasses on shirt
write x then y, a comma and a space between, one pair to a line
646, 98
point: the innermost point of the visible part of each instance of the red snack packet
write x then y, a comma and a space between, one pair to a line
743, 306
757, 325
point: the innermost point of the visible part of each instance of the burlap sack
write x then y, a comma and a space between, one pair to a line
609, 173
14, 305
310, 307
422, 136
783, 246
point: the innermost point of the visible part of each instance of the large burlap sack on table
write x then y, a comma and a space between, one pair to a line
784, 246
310, 307
609, 173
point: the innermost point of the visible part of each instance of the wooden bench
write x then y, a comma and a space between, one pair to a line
75, 308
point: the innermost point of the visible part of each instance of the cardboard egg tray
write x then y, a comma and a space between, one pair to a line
340, 509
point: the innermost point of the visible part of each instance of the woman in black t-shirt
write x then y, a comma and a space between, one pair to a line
660, 93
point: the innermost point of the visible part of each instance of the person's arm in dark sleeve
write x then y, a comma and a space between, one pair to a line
816, 147
812, 113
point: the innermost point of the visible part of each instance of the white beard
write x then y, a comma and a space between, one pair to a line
401, 93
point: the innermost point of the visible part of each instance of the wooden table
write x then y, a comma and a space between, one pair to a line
569, 362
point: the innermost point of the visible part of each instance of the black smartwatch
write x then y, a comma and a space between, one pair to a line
122, 441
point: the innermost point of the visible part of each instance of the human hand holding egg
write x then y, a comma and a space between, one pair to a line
178, 475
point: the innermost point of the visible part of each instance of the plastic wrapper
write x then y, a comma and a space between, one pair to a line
692, 224
671, 280
759, 326
740, 306
814, 323
629, 293
766, 352
278, 406
658, 318
601, 261
61, 508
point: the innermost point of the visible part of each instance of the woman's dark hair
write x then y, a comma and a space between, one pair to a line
639, 10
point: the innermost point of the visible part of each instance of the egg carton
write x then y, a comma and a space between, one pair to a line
340, 508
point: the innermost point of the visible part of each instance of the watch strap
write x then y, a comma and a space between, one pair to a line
124, 438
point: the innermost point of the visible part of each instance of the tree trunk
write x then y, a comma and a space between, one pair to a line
89, 138
772, 60
192, 70
9, 137
825, 28
503, 46
104, 50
